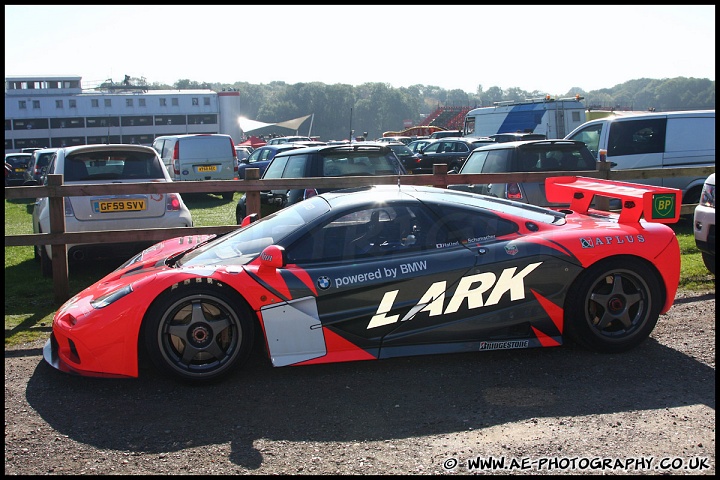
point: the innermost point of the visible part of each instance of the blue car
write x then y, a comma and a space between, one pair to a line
260, 157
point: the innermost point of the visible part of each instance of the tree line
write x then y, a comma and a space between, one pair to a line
378, 107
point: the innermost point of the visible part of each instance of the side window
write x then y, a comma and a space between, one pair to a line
496, 162
254, 156
472, 230
590, 136
368, 233
635, 137
276, 167
433, 148
167, 151
157, 145
295, 167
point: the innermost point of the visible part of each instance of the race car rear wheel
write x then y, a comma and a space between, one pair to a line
198, 332
613, 305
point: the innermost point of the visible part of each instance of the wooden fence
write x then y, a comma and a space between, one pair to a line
252, 186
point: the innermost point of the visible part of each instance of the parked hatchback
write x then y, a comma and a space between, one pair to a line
38, 165
18, 164
357, 159
109, 164
452, 151
525, 157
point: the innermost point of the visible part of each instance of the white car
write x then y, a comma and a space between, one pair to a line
106, 164
704, 223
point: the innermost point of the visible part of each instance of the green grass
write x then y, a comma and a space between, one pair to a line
29, 305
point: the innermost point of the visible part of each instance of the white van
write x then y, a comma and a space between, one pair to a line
655, 140
199, 157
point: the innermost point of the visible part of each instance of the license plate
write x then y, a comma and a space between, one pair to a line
110, 206
209, 168
19, 169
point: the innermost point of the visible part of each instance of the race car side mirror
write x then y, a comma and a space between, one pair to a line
273, 256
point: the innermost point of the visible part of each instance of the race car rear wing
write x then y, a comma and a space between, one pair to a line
655, 204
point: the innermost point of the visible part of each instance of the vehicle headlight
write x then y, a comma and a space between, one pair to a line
111, 297
707, 197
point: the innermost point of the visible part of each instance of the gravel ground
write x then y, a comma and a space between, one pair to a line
549, 411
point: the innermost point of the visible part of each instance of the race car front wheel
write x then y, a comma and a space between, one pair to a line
198, 332
614, 305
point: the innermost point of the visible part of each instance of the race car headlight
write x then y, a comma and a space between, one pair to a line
111, 297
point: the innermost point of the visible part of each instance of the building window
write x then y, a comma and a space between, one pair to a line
128, 102
72, 103
163, 102
175, 102
195, 101
206, 101
141, 102
108, 103
58, 104
22, 104
94, 102
36, 103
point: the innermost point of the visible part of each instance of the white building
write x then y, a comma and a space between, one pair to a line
55, 111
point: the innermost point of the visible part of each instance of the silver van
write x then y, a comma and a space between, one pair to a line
654, 140
199, 157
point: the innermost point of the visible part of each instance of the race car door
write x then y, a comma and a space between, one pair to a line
371, 268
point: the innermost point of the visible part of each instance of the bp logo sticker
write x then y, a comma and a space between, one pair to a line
663, 205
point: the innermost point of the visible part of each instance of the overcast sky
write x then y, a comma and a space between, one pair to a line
547, 48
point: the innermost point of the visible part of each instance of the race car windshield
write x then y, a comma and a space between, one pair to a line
242, 246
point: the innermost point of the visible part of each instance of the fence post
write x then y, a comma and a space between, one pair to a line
440, 179
61, 281
252, 197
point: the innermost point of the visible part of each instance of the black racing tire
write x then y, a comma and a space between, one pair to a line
614, 305
45, 263
709, 261
198, 332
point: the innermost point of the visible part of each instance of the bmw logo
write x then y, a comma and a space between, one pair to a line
323, 283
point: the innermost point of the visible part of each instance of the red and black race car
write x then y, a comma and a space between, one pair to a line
384, 271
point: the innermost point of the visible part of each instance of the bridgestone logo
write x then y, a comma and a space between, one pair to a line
504, 345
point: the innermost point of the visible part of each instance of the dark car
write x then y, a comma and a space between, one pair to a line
526, 157
18, 165
261, 157
356, 159
452, 151
38, 165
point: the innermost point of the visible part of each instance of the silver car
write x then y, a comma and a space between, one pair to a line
525, 156
106, 164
